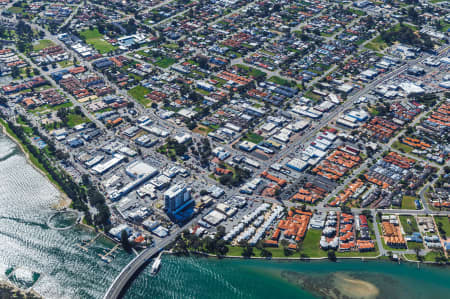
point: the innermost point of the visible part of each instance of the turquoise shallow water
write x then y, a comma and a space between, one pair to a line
212, 278
50, 261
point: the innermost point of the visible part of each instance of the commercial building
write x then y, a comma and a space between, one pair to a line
176, 198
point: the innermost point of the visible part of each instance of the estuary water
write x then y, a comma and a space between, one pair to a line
34, 255
212, 278
51, 262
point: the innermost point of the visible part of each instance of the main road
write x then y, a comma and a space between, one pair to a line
133, 267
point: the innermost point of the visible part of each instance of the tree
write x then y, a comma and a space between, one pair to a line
220, 232
418, 255
124, 240
247, 252
221, 248
346, 209
331, 255
266, 253
379, 215
390, 255
15, 72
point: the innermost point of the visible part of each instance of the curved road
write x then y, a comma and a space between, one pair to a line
130, 270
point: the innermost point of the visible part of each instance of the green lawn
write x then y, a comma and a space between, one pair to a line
311, 95
172, 46
374, 111
410, 227
445, 223
237, 251
402, 147
253, 137
65, 63
281, 81
76, 119
310, 245
408, 202
357, 12
357, 254
95, 39
15, 9
444, 26
414, 245
48, 107
377, 44
42, 44
429, 257
309, 248
165, 62
252, 71
139, 92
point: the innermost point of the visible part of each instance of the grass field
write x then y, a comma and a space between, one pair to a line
410, 227
309, 248
56, 107
252, 71
402, 147
139, 92
237, 251
42, 44
253, 137
310, 244
95, 39
445, 223
357, 12
281, 81
414, 245
315, 97
445, 26
165, 62
377, 44
65, 63
204, 130
357, 254
76, 119
408, 202
429, 257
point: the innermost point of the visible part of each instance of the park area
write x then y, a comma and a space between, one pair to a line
42, 44
95, 39
139, 92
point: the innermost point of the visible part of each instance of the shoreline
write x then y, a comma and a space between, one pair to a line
7, 288
64, 201
362, 258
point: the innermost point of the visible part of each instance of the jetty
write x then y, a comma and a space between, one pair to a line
85, 245
105, 256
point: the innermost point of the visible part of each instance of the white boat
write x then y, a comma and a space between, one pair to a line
156, 265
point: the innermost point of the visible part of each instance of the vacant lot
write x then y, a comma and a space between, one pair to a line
408, 202
139, 92
42, 44
253, 137
95, 39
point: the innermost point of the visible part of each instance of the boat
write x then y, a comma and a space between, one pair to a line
156, 266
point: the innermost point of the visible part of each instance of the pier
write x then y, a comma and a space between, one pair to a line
85, 246
107, 254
